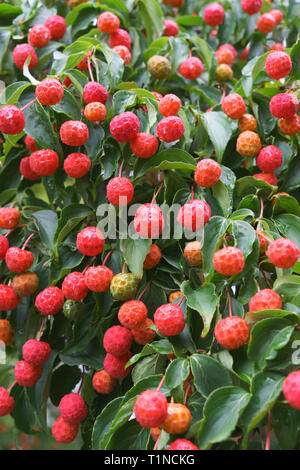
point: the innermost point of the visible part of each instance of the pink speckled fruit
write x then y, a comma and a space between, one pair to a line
36, 352
232, 332
169, 319
151, 409
73, 408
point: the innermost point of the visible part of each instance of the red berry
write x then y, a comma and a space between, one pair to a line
263, 242
194, 215
26, 170
229, 261
283, 253
132, 314
149, 221
269, 159
74, 133
170, 28
265, 299
115, 366
169, 105
244, 54
93, 92
278, 65
39, 36
151, 409
9, 218
144, 334
225, 56
27, 375
178, 419
49, 92
103, 383
174, 3
98, 278
265, 23
120, 191
4, 245
18, 260
124, 127
144, 145
277, 15
182, 444
57, 26
248, 144
64, 432
123, 52
120, 38
117, 341
213, 14
251, 7
74, 287
191, 68
36, 352
20, 54
247, 123
229, 47
83, 65
90, 241
207, 173
6, 332
8, 299
7, 402
77, 165
73, 408
170, 129
284, 105
44, 162
291, 389
232, 332
290, 126
234, 106
12, 120
50, 301
277, 46
153, 257
169, 319
25, 284
30, 143
192, 254
108, 22
269, 178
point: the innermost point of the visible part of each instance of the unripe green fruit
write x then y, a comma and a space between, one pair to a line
124, 286
224, 72
72, 310
159, 67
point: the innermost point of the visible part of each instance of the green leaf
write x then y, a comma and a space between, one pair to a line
135, 252
5, 34
219, 128
287, 285
223, 190
170, 159
71, 216
68, 106
177, 372
289, 226
46, 222
103, 422
209, 374
152, 16
214, 232
244, 235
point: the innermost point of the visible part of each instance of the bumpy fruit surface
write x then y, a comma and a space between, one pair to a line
283, 253
20, 54
50, 301
224, 72
291, 389
234, 106
73, 408
93, 92
117, 341
9, 218
144, 145
265, 23
17, 260
124, 53
90, 241
229, 47
269, 159
26, 170
232, 332
74, 133
151, 409
39, 36
74, 287
27, 375
108, 22
278, 65
175, 295
229, 261
263, 243
248, 144
290, 126
115, 366
170, 129
77, 165
6, 332
132, 314
213, 14
124, 286
170, 28
30, 143
4, 245
25, 284
251, 7
178, 419
194, 214
124, 127
44, 162
277, 15
207, 173
159, 67
183, 444
98, 278
191, 68
120, 191
247, 123
36, 352
103, 383
57, 26
49, 92
7, 402
95, 112
143, 334
64, 432
8, 299
148, 221
169, 105
269, 178
153, 257
192, 253
277, 46
225, 56
284, 105
12, 120
169, 319
120, 38
265, 299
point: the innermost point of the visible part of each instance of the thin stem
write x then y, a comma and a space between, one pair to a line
265, 278
124, 267
121, 168
8, 233
81, 382
144, 290
41, 329
28, 240
186, 394
161, 383
90, 68
28, 104
229, 302
261, 214
12, 385
193, 193
180, 301
89, 264
268, 440
157, 443
106, 257
157, 193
